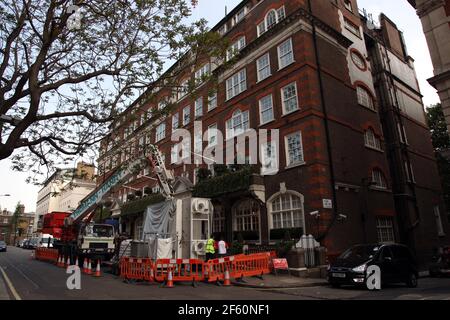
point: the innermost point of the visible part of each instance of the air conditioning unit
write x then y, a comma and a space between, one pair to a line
199, 247
201, 206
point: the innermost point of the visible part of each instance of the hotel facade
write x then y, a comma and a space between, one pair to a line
355, 163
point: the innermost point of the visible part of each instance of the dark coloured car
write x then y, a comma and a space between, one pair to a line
3, 246
396, 263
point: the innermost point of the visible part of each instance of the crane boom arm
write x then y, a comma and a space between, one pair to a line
165, 179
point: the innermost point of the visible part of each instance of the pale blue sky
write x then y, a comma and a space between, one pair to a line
398, 11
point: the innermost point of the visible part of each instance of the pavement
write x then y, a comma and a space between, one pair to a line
270, 281
3, 291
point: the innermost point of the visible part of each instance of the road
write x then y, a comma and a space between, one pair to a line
34, 280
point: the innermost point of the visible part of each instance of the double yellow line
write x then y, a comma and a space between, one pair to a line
10, 285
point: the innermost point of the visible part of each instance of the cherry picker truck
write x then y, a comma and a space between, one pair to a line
77, 236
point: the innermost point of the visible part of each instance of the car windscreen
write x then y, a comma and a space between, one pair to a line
363, 252
2, 243
103, 230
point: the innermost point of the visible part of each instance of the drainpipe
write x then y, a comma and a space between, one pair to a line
327, 129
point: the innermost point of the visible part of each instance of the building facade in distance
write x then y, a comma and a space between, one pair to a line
314, 71
64, 190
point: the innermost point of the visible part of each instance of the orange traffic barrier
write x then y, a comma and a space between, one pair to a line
182, 269
136, 269
46, 254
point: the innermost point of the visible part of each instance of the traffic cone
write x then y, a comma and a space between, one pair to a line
77, 262
85, 265
227, 281
169, 283
97, 270
89, 267
68, 262
61, 262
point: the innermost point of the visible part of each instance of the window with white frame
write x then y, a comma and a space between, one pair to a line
286, 211
365, 98
223, 29
289, 98
202, 73
246, 216
238, 124
437, 215
183, 89
236, 84
175, 121
263, 67
162, 104
174, 153
199, 107
237, 46
212, 100
353, 28
285, 54
212, 134
269, 158
160, 132
218, 220
266, 109
378, 179
348, 5
186, 115
294, 149
371, 140
385, 229
238, 17
402, 133
271, 19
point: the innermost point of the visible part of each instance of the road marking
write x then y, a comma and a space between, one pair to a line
10, 285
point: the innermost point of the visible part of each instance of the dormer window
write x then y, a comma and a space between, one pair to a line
223, 29
236, 47
239, 16
272, 18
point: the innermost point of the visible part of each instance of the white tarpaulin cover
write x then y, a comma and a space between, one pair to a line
159, 218
158, 227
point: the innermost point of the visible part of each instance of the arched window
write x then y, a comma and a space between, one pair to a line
372, 140
218, 221
365, 98
378, 179
286, 211
238, 123
246, 216
358, 60
271, 19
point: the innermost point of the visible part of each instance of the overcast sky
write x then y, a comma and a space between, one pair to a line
214, 10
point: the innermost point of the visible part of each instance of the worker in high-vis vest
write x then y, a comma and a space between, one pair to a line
210, 248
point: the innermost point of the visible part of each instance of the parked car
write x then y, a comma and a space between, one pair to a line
3, 246
440, 265
20, 243
396, 263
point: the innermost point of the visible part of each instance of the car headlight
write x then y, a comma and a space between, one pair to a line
361, 268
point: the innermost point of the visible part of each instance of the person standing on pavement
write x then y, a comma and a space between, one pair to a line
210, 248
222, 248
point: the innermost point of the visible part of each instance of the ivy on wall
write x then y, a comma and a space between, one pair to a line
140, 205
227, 183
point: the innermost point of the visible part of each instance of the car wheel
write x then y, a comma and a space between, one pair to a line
412, 280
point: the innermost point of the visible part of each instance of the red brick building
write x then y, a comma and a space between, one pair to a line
305, 68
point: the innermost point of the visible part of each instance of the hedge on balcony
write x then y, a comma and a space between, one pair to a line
227, 183
282, 234
140, 205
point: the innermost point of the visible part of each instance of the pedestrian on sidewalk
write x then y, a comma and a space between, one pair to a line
210, 248
222, 248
